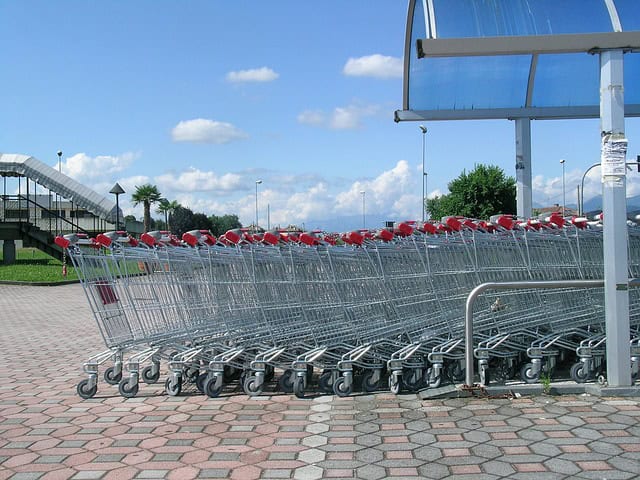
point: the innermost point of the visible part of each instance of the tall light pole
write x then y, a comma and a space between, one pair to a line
258, 182
563, 190
58, 195
423, 129
364, 215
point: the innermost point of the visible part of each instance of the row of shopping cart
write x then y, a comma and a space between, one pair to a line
347, 311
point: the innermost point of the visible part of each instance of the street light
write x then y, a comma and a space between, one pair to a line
563, 191
117, 190
424, 174
258, 182
364, 217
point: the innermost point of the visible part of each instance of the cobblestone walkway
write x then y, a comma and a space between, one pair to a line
47, 432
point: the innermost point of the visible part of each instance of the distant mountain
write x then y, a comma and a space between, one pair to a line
595, 203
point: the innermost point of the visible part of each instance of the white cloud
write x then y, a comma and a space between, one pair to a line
194, 180
263, 74
342, 118
390, 193
82, 167
201, 130
312, 117
377, 66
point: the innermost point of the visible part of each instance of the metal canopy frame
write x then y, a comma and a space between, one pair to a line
610, 48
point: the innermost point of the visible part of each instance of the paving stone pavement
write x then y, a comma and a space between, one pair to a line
48, 432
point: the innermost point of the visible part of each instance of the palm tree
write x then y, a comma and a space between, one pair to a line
146, 195
167, 207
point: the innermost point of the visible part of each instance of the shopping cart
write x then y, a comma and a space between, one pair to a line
372, 305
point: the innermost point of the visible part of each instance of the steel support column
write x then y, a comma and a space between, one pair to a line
613, 159
523, 167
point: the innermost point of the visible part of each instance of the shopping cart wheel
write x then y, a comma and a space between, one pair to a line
298, 386
200, 381
251, 387
578, 373
527, 374
412, 379
111, 377
284, 382
84, 391
210, 387
395, 385
341, 389
435, 382
126, 389
325, 381
368, 385
173, 388
148, 376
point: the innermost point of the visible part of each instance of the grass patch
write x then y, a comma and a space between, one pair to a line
33, 265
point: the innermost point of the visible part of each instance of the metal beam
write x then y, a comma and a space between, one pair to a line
527, 45
534, 113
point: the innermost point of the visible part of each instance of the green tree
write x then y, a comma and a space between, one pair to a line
483, 192
182, 220
146, 195
167, 208
220, 225
201, 222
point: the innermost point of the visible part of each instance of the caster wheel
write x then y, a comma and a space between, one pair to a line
210, 388
126, 389
251, 387
411, 380
578, 373
395, 386
325, 381
368, 385
173, 388
200, 381
84, 391
298, 387
148, 376
435, 382
284, 382
527, 375
340, 388
111, 377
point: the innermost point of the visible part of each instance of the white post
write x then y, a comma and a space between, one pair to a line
613, 160
523, 167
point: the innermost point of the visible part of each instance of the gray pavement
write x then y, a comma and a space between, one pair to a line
48, 432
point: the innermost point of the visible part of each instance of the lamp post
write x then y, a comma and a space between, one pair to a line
423, 129
364, 216
117, 190
58, 195
563, 191
258, 182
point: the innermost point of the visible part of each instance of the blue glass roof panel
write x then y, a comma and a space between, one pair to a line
486, 18
566, 80
470, 83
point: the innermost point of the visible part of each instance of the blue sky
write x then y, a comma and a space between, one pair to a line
203, 98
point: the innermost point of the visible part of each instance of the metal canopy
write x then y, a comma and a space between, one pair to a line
495, 59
